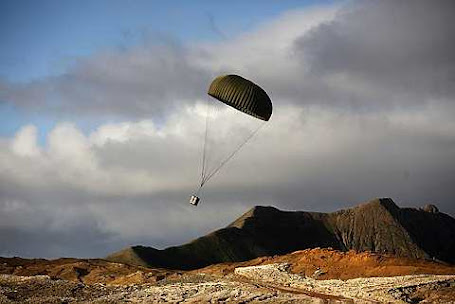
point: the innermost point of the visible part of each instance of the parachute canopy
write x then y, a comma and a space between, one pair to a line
227, 130
242, 95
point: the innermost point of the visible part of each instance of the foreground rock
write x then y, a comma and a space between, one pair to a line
381, 289
42, 289
271, 283
307, 276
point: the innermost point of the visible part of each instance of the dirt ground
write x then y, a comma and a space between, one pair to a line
308, 276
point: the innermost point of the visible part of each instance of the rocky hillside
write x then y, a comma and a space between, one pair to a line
378, 226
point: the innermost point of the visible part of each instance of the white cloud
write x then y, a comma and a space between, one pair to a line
137, 158
69, 148
122, 132
25, 142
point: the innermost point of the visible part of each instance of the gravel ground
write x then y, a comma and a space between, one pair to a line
42, 289
374, 289
271, 283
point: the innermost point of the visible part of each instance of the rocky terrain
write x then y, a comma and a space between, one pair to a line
88, 271
378, 225
307, 276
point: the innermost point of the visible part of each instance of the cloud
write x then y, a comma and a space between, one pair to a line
25, 143
363, 108
382, 54
144, 81
371, 55
41, 230
154, 79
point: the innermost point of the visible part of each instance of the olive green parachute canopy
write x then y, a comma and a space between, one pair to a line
242, 94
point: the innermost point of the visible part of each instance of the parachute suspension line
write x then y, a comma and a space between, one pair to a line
204, 151
230, 156
212, 110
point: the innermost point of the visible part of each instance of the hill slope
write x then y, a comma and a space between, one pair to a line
378, 225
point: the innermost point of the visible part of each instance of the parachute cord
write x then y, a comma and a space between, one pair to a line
210, 175
204, 152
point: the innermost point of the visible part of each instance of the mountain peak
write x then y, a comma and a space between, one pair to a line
389, 204
377, 225
256, 211
385, 202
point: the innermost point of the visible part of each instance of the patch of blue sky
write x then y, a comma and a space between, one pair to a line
14, 118
42, 38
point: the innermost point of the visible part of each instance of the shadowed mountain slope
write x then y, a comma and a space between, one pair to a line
378, 225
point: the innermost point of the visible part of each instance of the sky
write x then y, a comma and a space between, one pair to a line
103, 114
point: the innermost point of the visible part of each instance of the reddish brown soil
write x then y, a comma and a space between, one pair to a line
342, 265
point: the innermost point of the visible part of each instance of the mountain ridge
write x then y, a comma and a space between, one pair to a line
378, 225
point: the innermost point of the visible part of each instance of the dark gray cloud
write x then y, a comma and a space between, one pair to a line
81, 241
35, 224
381, 54
144, 81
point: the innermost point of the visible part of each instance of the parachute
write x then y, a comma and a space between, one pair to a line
227, 131
242, 95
